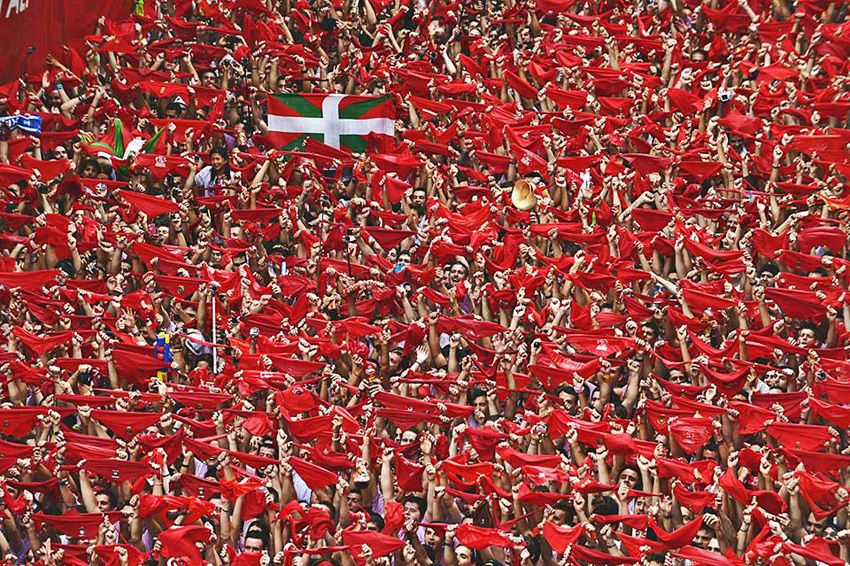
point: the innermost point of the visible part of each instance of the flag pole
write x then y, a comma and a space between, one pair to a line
348, 250
214, 291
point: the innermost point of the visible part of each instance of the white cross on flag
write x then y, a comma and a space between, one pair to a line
338, 120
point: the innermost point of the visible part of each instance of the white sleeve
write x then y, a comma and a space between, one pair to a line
302, 492
203, 177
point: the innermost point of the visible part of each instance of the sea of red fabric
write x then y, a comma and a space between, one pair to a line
588, 305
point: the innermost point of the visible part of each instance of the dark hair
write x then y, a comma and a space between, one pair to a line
639, 484
377, 519
175, 106
653, 326
567, 508
769, 268
606, 505
67, 266
86, 163
262, 534
269, 444
419, 502
809, 325
222, 152
474, 393
219, 151
113, 500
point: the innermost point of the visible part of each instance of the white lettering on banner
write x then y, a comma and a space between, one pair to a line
18, 5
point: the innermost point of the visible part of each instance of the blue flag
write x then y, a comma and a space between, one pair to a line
28, 124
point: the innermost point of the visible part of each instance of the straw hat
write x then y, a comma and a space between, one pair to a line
522, 195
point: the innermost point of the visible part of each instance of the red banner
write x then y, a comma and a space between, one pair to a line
44, 26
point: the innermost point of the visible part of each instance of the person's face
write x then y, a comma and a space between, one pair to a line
60, 153
411, 512
395, 356
457, 273
208, 80
408, 437
266, 452
217, 162
89, 171
767, 279
570, 400
418, 198
480, 404
629, 477
559, 517
54, 98
703, 538
171, 113
253, 545
464, 556
649, 334
814, 526
432, 539
354, 500
162, 232
677, 377
215, 257
103, 503
806, 337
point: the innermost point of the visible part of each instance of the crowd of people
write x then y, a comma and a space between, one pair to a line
587, 305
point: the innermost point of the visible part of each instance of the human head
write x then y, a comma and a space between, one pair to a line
414, 508
105, 501
218, 159
256, 541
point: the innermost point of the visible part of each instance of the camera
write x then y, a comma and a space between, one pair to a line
725, 95
254, 332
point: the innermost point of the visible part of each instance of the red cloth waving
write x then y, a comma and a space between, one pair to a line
692, 432
180, 542
124, 424
150, 205
559, 538
796, 303
381, 544
314, 476
480, 537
